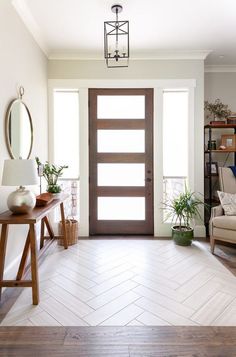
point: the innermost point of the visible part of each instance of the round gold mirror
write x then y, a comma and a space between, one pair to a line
19, 129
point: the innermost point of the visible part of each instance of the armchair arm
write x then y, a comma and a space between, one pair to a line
215, 212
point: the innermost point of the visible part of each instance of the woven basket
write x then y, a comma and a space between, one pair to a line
72, 228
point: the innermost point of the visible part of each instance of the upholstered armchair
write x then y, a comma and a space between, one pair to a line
223, 228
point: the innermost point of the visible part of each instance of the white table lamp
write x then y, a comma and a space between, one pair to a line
20, 173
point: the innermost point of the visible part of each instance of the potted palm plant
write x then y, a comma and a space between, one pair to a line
51, 173
182, 210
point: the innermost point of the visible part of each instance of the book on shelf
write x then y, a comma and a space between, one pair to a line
217, 122
231, 119
233, 115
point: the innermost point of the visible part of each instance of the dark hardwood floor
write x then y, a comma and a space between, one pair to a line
118, 341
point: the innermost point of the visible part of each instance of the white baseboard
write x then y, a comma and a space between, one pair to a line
200, 231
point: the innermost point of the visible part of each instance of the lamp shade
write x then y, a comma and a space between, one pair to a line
19, 173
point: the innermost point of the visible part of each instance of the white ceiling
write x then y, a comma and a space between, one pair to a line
158, 28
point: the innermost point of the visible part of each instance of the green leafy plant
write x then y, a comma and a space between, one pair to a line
183, 208
217, 109
51, 173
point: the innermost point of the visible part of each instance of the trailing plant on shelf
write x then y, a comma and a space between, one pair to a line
182, 209
217, 109
51, 173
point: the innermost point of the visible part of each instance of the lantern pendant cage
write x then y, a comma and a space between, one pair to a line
116, 41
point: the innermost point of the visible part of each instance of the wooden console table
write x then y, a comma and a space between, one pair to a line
36, 215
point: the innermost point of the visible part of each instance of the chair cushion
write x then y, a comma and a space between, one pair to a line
226, 235
225, 222
228, 202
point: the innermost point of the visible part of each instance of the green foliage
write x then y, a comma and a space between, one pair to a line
51, 173
54, 189
183, 208
217, 109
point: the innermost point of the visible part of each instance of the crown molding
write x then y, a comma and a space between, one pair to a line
220, 68
149, 55
26, 16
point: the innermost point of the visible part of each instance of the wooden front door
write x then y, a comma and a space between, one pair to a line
121, 161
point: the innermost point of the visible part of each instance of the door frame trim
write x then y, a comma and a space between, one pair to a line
117, 227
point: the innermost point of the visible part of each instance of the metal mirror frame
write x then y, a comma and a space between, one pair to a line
7, 120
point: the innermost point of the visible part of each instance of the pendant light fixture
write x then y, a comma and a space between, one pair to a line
116, 40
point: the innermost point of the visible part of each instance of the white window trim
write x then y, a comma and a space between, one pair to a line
163, 228
82, 86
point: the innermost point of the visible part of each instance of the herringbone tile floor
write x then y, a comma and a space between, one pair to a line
129, 282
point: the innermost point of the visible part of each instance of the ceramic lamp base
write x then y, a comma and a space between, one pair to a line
21, 201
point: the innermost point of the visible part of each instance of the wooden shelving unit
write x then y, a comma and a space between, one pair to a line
221, 151
220, 126
208, 189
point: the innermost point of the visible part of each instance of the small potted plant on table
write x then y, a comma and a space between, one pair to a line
51, 173
182, 210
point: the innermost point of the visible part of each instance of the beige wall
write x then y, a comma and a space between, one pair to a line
142, 70
223, 86
138, 69
21, 63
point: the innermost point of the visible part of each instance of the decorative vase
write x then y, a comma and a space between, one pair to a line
56, 195
21, 201
219, 119
211, 145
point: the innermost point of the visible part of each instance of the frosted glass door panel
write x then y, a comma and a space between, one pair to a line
121, 174
121, 107
121, 208
121, 141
